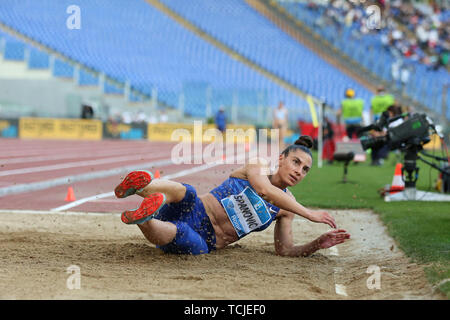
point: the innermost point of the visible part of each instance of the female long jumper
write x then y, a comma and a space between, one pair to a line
174, 218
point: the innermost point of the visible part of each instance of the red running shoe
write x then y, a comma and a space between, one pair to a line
148, 207
133, 182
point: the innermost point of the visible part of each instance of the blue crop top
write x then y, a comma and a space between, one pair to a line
246, 210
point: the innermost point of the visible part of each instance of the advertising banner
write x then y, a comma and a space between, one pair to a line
76, 129
133, 131
174, 132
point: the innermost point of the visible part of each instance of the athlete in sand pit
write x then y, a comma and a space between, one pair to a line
176, 220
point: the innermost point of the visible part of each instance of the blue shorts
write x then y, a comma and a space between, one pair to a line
195, 233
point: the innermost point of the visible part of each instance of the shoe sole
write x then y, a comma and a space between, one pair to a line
133, 182
146, 210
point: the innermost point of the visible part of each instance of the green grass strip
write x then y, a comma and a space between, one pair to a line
421, 228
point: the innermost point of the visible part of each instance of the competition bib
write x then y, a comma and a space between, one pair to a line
246, 211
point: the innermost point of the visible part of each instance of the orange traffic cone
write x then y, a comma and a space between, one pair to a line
397, 182
157, 175
70, 195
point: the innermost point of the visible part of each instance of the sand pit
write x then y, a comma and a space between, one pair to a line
116, 262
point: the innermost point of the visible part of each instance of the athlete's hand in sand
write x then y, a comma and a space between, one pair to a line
322, 217
332, 238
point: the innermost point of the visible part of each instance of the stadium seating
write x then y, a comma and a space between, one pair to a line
132, 46
262, 42
425, 85
145, 47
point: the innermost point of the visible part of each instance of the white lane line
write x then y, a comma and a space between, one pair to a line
64, 213
67, 156
33, 186
83, 200
340, 289
68, 165
20, 151
45, 149
181, 173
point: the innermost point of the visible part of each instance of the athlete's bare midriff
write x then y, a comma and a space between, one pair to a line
225, 233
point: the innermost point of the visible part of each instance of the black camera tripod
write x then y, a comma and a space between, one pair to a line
410, 166
346, 158
410, 174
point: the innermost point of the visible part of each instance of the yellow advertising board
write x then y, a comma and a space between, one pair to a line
176, 132
65, 129
164, 131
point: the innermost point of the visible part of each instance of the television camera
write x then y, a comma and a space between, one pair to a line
408, 133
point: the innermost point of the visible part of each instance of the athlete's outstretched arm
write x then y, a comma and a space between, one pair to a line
284, 240
261, 184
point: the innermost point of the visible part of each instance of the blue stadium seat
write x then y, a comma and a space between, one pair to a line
261, 41
38, 59
14, 50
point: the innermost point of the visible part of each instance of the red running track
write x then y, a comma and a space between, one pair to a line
24, 162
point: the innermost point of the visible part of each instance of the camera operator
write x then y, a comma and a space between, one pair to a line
380, 153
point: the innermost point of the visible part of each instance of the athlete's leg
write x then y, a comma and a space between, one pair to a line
181, 227
158, 232
174, 191
177, 237
141, 182
186, 241
168, 201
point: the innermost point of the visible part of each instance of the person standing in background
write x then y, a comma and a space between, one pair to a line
351, 112
380, 153
221, 120
87, 112
329, 146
